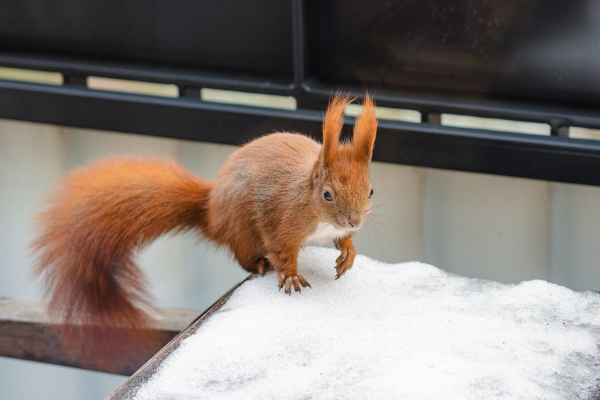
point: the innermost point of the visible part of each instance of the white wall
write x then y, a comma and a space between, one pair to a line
484, 226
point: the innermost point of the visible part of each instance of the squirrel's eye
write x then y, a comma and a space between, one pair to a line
327, 196
371, 194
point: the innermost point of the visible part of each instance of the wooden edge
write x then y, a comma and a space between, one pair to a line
26, 333
133, 384
32, 311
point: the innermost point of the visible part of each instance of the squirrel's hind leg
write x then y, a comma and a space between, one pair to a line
260, 266
255, 264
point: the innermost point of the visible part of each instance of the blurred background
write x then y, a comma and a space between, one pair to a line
502, 228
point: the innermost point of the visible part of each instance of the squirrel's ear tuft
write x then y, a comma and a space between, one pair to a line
332, 127
365, 129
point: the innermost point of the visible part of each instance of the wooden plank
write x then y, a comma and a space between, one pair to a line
27, 334
133, 384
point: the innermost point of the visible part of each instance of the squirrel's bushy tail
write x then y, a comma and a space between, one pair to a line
85, 250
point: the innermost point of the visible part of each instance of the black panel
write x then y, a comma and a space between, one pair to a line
528, 60
236, 35
429, 145
532, 49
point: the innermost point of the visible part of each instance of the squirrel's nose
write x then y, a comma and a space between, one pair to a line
353, 220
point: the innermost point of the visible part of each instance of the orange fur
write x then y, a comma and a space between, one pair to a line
266, 202
86, 240
365, 129
332, 126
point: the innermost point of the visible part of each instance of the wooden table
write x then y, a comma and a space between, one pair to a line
26, 333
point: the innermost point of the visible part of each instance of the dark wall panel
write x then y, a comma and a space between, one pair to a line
547, 50
234, 35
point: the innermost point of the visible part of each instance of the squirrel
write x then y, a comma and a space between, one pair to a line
272, 196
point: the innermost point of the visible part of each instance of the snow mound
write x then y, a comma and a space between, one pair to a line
389, 331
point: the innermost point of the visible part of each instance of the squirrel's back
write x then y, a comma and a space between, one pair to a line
275, 160
264, 178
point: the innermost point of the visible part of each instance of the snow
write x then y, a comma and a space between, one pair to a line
389, 331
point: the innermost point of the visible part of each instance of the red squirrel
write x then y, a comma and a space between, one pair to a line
272, 196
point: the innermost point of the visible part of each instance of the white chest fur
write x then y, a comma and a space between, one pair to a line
326, 232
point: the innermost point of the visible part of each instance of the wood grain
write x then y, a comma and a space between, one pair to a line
26, 333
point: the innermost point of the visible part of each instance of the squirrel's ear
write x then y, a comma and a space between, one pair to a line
332, 127
365, 129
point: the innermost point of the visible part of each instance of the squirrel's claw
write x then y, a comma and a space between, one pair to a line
297, 282
303, 281
288, 285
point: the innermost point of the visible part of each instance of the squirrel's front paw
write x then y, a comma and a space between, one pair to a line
346, 258
292, 280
